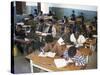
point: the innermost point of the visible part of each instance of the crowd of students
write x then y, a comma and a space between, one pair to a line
74, 34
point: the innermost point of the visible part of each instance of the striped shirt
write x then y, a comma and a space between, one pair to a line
79, 60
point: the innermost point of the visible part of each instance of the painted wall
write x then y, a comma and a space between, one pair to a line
29, 10
60, 12
62, 9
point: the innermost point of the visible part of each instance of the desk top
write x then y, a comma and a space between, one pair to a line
89, 41
85, 51
48, 63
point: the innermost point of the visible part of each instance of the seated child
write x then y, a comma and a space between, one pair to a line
77, 38
48, 44
59, 47
74, 54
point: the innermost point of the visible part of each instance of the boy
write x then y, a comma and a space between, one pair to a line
74, 54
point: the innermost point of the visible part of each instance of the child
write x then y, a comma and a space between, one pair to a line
77, 38
74, 54
48, 45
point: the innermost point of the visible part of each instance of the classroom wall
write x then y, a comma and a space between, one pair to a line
29, 10
60, 12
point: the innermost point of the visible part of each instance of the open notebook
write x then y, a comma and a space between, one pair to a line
47, 54
62, 62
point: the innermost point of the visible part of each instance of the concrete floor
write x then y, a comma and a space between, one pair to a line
92, 61
23, 66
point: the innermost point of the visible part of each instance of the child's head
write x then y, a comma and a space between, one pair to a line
72, 51
76, 33
50, 21
49, 39
41, 21
31, 16
18, 28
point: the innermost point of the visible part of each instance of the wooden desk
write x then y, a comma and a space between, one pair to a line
47, 64
90, 43
86, 51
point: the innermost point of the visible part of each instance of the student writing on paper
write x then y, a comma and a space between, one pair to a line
74, 54
48, 45
59, 47
19, 39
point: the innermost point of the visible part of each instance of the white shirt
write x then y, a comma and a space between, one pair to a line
81, 39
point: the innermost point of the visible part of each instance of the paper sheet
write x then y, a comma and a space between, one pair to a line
51, 54
60, 63
38, 32
42, 54
44, 34
61, 41
20, 23
47, 54
94, 36
68, 46
26, 39
70, 61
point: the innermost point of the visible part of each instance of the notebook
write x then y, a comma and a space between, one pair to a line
47, 54
60, 63
61, 41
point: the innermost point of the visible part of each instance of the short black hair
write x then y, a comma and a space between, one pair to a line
50, 20
41, 20
19, 26
49, 38
90, 27
35, 9
42, 44
31, 15
72, 51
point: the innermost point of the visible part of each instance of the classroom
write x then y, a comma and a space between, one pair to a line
50, 37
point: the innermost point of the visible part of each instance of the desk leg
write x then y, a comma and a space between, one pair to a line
90, 46
93, 47
87, 59
31, 66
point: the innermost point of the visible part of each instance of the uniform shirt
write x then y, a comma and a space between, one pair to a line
20, 34
81, 39
79, 60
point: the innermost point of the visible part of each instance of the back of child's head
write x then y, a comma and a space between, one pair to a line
49, 39
72, 51
30, 15
41, 21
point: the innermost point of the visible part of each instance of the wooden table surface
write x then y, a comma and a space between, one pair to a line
85, 51
89, 41
48, 63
